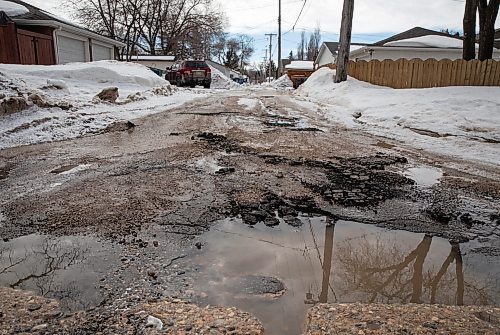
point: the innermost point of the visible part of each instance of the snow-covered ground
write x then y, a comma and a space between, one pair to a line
460, 121
73, 87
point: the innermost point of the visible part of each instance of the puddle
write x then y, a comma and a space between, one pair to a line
424, 176
65, 268
324, 261
68, 169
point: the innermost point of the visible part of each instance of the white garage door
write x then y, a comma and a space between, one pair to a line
100, 52
70, 50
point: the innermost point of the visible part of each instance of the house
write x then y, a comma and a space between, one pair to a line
417, 43
497, 38
34, 36
328, 52
156, 62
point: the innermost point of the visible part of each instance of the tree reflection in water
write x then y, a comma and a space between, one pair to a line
48, 266
373, 269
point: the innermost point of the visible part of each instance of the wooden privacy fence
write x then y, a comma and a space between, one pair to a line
417, 73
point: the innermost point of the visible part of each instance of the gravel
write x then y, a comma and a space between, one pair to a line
402, 319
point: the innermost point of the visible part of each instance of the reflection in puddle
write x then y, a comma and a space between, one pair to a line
325, 261
66, 268
424, 176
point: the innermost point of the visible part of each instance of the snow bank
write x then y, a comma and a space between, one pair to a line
220, 81
68, 92
282, 82
12, 8
87, 79
461, 121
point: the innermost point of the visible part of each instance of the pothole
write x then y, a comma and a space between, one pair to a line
327, 261
65, 268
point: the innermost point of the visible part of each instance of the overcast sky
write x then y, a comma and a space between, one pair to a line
373, 19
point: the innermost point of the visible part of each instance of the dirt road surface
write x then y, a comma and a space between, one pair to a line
111, 221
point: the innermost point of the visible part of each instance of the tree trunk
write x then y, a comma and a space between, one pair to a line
345, 41
487, 16
469, 50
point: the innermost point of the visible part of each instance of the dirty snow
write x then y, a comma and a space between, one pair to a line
282, 82
77, 84
12, 9
249, 103
221, 81
458, 121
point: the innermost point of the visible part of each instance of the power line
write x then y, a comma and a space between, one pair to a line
298, 17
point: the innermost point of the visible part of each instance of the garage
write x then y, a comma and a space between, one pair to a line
100, 52
71, 50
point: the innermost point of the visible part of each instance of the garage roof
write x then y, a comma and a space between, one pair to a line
39, 17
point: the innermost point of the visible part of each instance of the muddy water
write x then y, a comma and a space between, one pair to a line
325, 261
65, 268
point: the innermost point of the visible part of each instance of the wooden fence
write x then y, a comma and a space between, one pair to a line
417, 73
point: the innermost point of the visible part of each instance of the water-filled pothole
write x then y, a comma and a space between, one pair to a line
326, 261
66, 268
424, 176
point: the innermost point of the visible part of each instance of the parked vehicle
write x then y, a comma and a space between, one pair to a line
189, 73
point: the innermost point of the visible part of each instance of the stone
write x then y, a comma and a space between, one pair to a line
40, 327
153, 322
2, 96
38, 100
271, 221
13, 105
109, 94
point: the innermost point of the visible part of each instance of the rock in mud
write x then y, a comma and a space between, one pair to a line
38, 100
13, 105
109, 94
119, 126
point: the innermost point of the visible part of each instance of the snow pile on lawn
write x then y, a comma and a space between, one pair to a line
58, 102
461, 121
12, 8
220, 81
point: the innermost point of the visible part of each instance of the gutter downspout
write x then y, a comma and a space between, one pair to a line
56, 44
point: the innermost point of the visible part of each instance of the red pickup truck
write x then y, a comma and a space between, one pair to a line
189, 73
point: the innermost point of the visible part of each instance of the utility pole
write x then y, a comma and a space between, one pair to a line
264, 74
270, 55
345, 41
280, 66
241, 60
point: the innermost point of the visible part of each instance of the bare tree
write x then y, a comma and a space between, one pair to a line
301, 48
469, 49
183, 27
488, 13
314, 44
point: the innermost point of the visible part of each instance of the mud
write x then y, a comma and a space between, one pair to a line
152, 197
